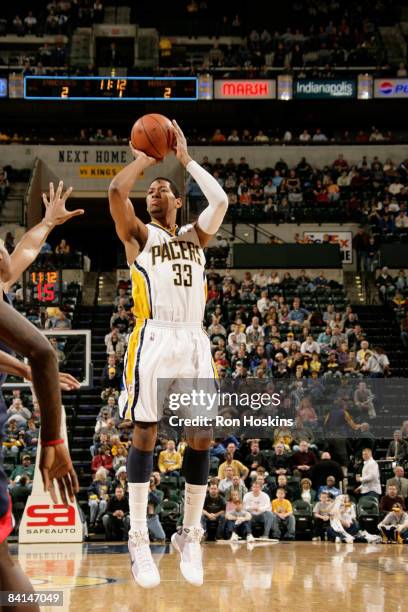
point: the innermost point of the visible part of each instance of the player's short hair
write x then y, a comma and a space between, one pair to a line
175, 190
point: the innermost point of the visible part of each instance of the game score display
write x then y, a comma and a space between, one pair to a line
110, 88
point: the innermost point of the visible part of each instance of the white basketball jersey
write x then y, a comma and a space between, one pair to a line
168, 279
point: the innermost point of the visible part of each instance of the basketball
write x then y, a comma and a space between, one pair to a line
153, 134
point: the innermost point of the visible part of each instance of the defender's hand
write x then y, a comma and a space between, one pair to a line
180, 146
56, 464
55, 211
68, 382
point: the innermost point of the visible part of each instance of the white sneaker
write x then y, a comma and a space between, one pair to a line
337, 540
316, 539
187, 543
234, 537
144, 569
250, 538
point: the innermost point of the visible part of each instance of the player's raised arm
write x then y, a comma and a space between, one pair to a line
130, 229
210, 220
15, 367
31, 243
55, 462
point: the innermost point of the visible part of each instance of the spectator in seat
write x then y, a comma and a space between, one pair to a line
21, 491
279, 462
361, 245
321, 516
120, 459
238, 468
303, 460
115, 343
30, 23
330, 487
227, 482
26, 468
258, 504
398, 448
399, 481
306, 493
283, 517
121, 479
102, 459
111, 373
155, 498
363, 400
255, 459
214, 511
391, 498
369, 479
63, 248
18, 413
394, 527
323, 468
298, 315
98, 496
58, 321
343, 520
236, 488
116, 521
170, 460
238, 523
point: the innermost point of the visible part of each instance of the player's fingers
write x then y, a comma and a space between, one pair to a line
51, 192
59, 189
46, 202
68, 487
76, 213
45, 479
177, 127
74, 480
63, 493
52, 492
67, 194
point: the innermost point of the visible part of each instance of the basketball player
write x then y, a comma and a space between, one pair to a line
168, 342
16, 333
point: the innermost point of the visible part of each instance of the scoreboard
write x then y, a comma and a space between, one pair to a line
110, 88
43, 287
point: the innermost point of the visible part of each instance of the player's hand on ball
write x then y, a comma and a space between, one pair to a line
148, 161
56, 464
55, 211
180, 146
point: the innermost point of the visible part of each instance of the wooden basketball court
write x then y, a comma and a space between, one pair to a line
304, 576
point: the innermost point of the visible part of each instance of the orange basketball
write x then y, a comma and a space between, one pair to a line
153, 134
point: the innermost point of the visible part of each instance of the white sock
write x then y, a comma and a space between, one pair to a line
138, 496
193, 504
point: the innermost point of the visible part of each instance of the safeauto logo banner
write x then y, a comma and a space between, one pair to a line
391, 88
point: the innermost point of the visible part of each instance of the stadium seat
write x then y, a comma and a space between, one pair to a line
302, 511
170, 481
368, 514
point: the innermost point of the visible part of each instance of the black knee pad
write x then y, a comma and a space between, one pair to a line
139, 465
196, 466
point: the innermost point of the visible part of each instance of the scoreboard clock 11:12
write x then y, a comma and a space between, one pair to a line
110, 88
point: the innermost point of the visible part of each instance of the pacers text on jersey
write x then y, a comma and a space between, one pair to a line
176, 249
